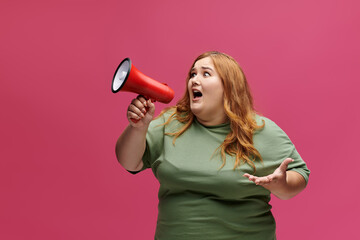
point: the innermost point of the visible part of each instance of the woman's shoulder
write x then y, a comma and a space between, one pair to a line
165, 119
261, 119
165, 122
269, 125
165, 114
271, 136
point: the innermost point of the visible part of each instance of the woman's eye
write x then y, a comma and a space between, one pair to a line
192, 75
206, 74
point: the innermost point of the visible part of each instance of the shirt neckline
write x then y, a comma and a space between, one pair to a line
221, 125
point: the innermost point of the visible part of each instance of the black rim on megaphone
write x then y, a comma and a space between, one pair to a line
127, 75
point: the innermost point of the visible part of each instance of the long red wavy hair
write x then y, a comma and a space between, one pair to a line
238, 106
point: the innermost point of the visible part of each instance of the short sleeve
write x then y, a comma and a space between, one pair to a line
154, 143
298, 165
275, 146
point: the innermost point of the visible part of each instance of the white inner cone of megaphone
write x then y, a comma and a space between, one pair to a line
121, 75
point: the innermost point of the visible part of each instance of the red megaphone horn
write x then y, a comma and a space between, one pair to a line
128, 78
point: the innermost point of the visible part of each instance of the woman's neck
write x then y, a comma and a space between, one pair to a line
213, 121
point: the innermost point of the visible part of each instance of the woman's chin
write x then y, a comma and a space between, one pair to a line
195, 109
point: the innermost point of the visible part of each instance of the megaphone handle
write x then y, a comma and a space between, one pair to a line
147, 98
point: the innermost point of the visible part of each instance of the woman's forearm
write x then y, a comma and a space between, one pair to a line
130, 148
295, 183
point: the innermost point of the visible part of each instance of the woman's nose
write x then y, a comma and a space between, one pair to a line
195, 81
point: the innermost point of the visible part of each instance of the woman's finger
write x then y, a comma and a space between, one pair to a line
143, 100
139, 104
250, 177
284, 165
246, 175
262, 180
132, 115
135, 110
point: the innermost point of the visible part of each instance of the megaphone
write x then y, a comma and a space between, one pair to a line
128, 78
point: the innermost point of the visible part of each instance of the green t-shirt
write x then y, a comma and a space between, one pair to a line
197, 199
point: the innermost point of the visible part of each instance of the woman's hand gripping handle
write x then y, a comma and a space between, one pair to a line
140, 112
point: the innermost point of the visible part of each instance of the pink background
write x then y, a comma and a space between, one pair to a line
59, 178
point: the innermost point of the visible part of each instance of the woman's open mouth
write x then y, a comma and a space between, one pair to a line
196, 94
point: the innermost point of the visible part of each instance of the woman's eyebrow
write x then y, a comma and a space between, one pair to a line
203, 67
209, 68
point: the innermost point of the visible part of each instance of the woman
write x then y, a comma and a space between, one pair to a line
203, 150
